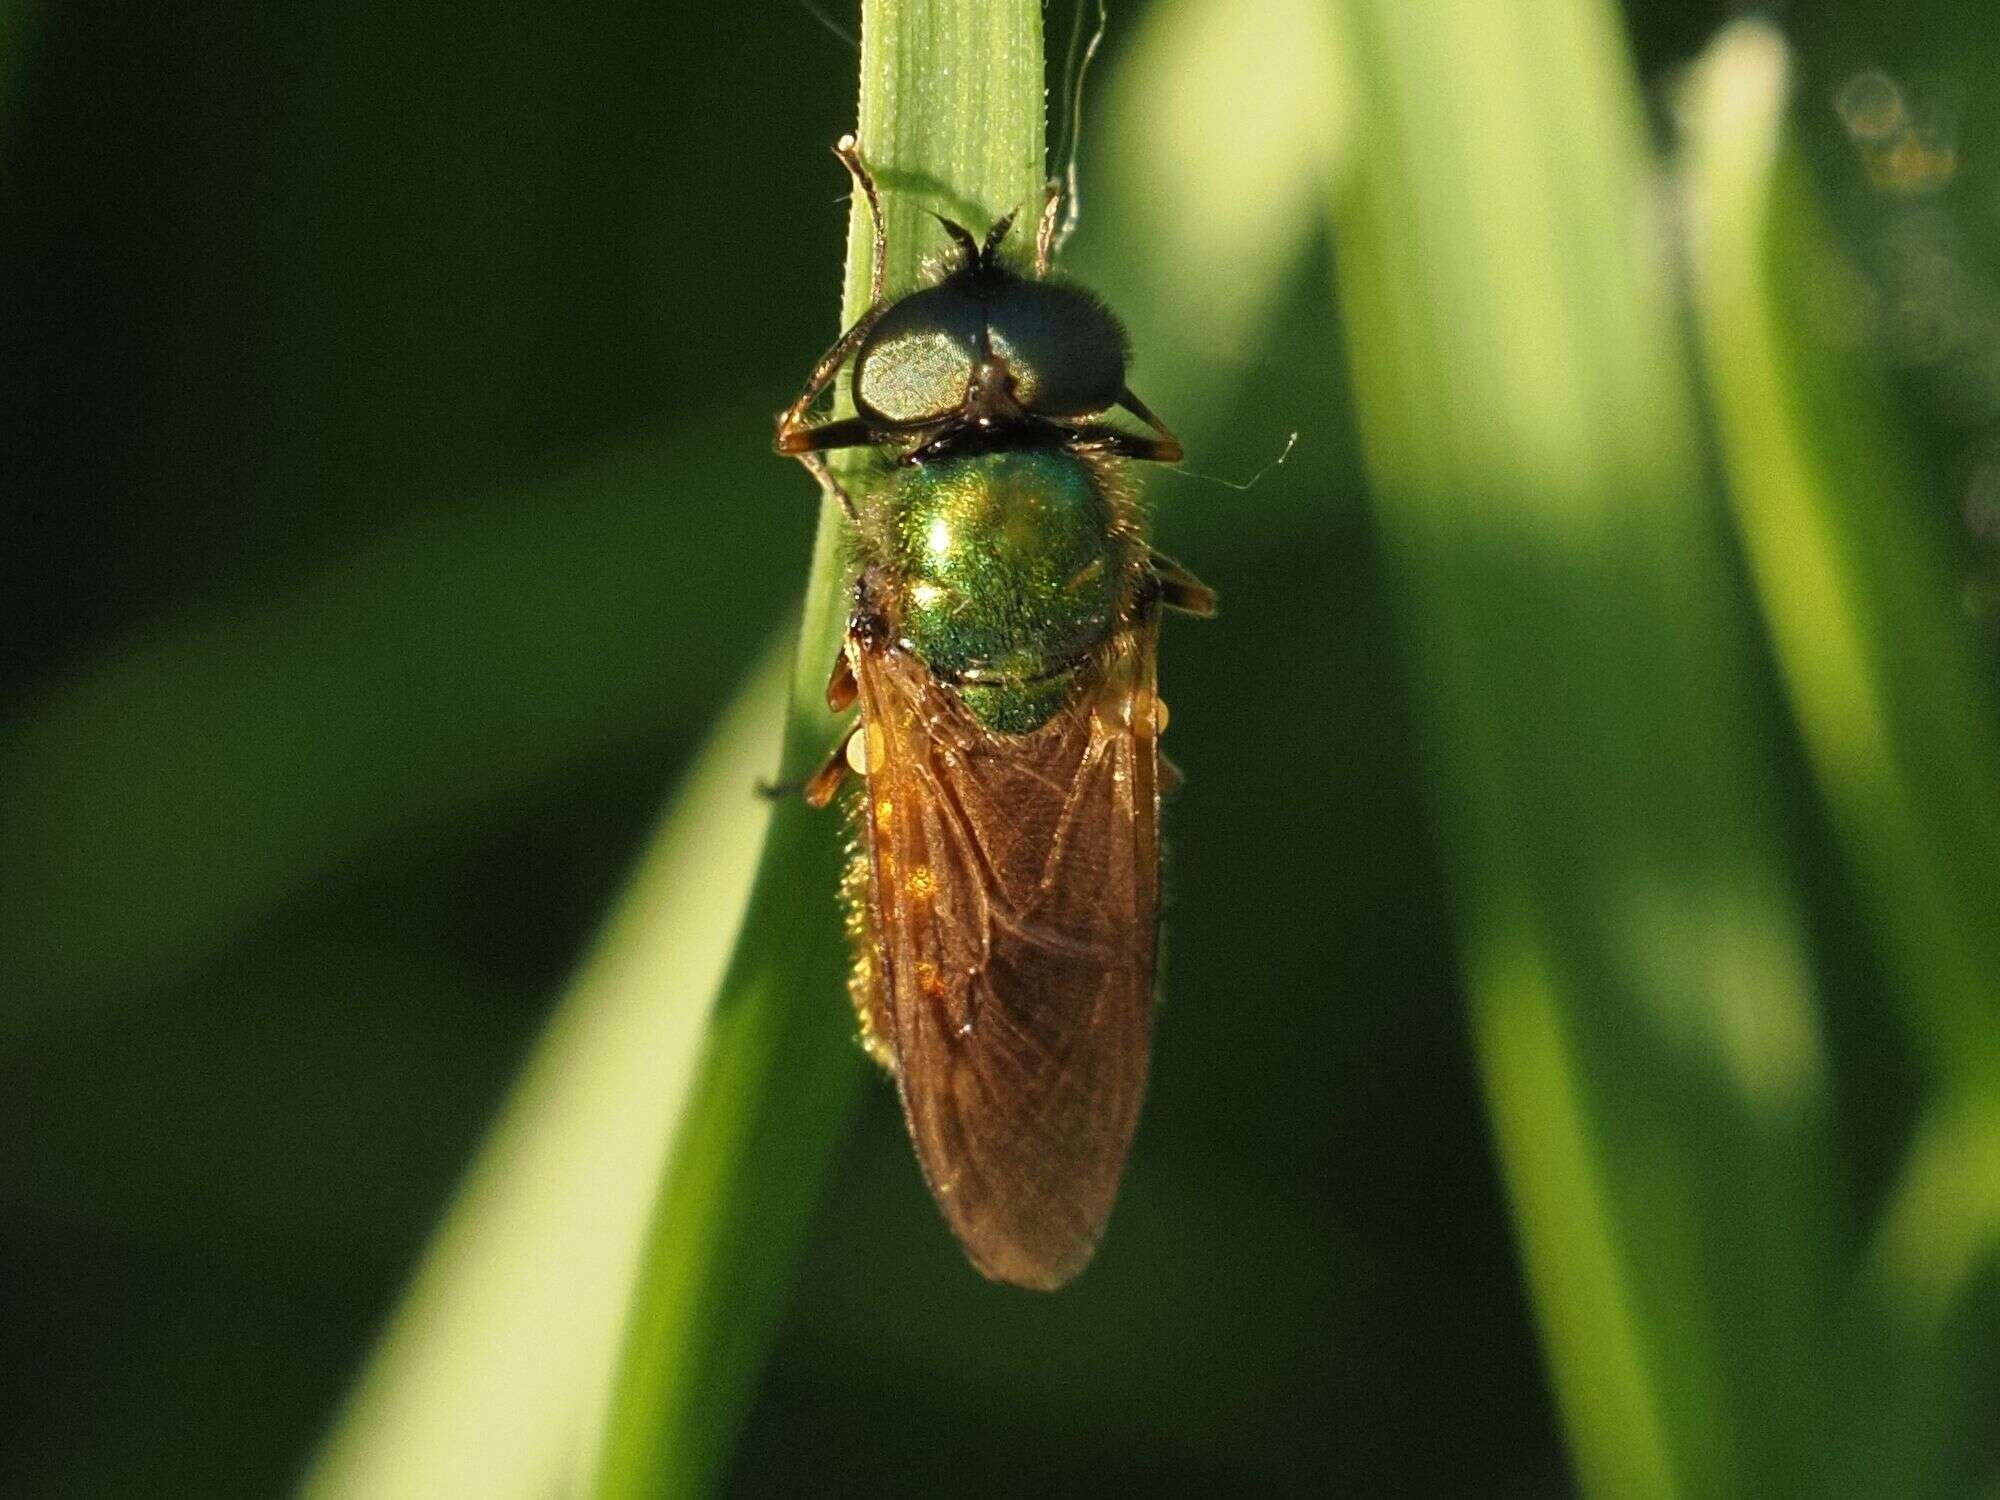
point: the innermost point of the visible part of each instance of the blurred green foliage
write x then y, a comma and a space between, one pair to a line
1636, 971
1575, 1067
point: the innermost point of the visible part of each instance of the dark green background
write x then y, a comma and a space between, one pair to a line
285, 291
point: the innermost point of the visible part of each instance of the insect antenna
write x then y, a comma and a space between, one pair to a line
1284, 453
960, 236
996, 234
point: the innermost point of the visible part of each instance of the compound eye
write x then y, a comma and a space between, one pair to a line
1065, 350
916, 364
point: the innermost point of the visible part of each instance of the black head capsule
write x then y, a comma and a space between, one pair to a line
986, 358
987, 342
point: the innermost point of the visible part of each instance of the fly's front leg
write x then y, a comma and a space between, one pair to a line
849, 151
1045, 232
1144, 413
796, 433
1100, 438
828, 485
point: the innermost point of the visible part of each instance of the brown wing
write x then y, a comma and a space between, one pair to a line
1015, 913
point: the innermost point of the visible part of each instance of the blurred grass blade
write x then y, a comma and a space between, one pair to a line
1928, 1332
1899, 713
483, 1383
1641, 1003
1230, 117
950, 119
1939, 1229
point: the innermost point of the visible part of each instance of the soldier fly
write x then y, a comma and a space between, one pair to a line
1003, 892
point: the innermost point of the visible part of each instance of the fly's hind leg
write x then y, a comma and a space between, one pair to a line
1179, 589
849, 753
846, 755
825, 783
841, 687
819, 788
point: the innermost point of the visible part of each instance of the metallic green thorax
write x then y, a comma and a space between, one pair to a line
1009, 573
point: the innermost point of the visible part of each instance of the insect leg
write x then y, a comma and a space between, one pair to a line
1098, 438
1045, 232
850, 753
818, 789
849, 152
1180, 589
828, 485
1144, 413
794, 429
848, 432
841, 688
823, 783
1059, 227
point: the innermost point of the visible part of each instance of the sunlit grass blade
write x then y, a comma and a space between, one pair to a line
951, 119
1898, 709
1640, 996
489, 1379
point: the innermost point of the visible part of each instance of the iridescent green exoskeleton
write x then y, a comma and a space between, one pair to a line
1004, 894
